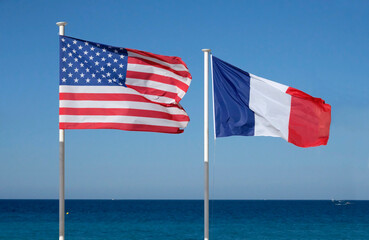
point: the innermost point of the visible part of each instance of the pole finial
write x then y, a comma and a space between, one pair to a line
206, 50
61, 23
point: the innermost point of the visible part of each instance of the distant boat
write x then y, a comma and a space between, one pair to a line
340, 202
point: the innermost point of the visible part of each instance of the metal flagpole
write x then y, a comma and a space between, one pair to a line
61, 164
206, 143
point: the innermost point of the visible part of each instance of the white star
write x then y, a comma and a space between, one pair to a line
69, 54
85, 52
74, 51
114, 70
74, 42
99, 80
63, 40
109, 64
115, 60
81, 64
87, 80
104, 50
87, 70
97, 54
86, 43
92, 48
64, 69
103, 59
76, 59
102, 68
70, 64
110, 81
116, 51
76, 70
93, 75
68, 45
109, 55
121, 65
121, 56
80, 47
70, 75
108, 74
64, 59
64, 79
120, 76
64, 49
91, 57
103, 76
79, 56
114, 80
82, 75
76, 80
96, 63
120, 84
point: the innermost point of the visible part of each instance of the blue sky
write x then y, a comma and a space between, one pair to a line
320, 47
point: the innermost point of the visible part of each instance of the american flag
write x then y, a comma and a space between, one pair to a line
108, 87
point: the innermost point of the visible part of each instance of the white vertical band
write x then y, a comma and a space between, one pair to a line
61, 135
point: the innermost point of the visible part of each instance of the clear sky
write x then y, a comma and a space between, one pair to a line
320, 47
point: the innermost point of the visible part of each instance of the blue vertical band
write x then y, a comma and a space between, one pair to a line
231, 100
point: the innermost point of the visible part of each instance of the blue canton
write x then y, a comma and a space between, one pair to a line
91, 64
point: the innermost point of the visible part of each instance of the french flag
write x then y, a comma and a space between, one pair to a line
248, 105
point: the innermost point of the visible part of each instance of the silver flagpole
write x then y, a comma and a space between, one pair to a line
206, 143
61, 164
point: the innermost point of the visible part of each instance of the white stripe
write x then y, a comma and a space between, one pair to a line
176, 67
112, 89
120, 104
155, 85
121, 119
279, 86
271, 105
156, 70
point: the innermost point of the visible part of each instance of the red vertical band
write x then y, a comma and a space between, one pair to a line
310, 119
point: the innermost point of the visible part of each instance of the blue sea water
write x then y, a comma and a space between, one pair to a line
183, 219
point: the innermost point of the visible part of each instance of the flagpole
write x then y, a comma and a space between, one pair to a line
206, 143
61, 164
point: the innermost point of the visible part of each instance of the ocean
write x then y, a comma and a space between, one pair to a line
183, 219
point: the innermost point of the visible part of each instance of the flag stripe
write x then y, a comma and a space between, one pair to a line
176, 67
115, 89
120, 104
120, 126
154, 92
154, 85
122, 112
156, 70
122, 119
167, 59
158, 78
134, 60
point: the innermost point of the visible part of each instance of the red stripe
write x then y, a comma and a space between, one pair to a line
153, 91
121, 126
310, 119
142, 61
168, 59
123, 112
158, 78
110, 97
